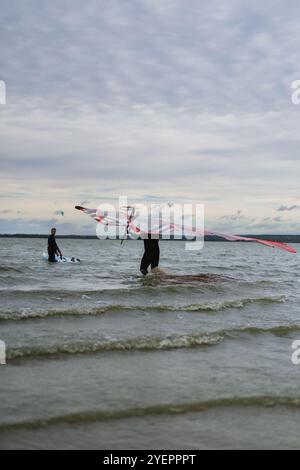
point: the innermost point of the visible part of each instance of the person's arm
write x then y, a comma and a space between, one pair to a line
58, 252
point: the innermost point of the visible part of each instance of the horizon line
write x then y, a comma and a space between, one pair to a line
294, 238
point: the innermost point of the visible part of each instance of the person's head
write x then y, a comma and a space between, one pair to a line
53, 231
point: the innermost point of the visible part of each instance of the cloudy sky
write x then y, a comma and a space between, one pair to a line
171, 100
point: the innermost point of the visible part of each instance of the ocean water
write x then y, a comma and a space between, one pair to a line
98, 357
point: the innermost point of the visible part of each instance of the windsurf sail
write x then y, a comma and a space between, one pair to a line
131, 223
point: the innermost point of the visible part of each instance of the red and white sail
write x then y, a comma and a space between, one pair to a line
135, 225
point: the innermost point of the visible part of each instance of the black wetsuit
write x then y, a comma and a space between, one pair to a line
151, 255
52, 248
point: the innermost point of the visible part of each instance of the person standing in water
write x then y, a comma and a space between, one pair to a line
151, 255
52, 247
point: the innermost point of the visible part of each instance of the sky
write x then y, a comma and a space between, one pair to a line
156, 100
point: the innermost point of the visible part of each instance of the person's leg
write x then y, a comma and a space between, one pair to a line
51, 257
146, 260
154, 253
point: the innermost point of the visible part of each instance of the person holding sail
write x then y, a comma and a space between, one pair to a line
151, 255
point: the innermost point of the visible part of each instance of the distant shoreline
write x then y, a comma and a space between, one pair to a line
275, 238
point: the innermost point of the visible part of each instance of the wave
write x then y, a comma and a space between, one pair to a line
146, 343
155, 308
180, 279
167, 409
238, 303
124, 291
6, 269
173, 283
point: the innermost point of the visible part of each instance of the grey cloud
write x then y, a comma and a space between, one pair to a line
14, 195
151, 97
288, 208
237, 216
138, 52
42, 226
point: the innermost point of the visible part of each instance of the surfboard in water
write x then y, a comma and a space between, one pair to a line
63, 259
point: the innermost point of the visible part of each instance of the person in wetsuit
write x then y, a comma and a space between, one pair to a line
151, 255
52, 247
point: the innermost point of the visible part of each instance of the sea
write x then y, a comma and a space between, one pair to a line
98, 357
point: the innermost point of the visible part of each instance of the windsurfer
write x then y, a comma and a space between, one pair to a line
151, 255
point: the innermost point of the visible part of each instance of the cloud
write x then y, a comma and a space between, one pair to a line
237, 216
287, 208
9, 211
144, 98
43, 226
121, 53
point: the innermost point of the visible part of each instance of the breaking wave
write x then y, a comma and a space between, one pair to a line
145, 343
93, 311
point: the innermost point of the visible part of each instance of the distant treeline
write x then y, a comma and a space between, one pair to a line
275, 238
